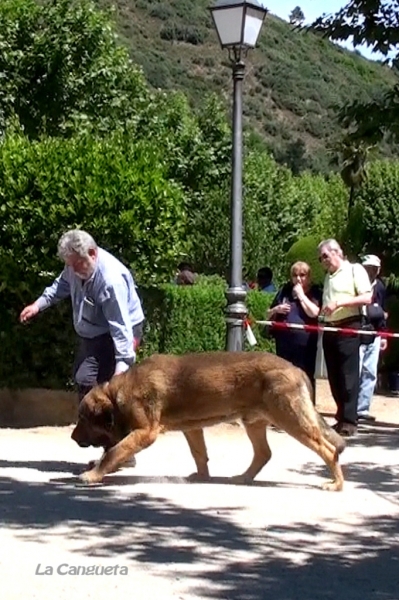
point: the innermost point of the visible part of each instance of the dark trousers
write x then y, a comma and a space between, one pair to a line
95, 360
341, 353
302, 356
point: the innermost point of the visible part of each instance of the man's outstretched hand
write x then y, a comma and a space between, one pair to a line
29, 312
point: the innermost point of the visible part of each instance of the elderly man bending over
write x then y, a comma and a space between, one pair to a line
107, 313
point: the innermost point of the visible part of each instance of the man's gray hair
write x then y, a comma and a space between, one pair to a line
75, 241
331, 244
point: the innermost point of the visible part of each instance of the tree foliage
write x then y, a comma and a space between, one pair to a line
371, 22
373, 226
374, 23
63, 69
296, 16
116, 188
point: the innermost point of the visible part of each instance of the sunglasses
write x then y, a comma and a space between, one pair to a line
323, 256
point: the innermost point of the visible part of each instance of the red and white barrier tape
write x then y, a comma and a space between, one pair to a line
317, 328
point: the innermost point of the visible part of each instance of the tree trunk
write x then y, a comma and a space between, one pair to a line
351, 200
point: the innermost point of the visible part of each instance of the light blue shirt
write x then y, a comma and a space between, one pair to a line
107, 302
269, 288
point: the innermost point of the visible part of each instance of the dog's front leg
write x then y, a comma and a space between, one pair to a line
196, 442
115, 457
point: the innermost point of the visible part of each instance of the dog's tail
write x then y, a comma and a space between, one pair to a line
332, 436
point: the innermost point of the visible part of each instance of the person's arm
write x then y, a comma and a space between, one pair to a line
359, 300
116, 311
311, 308
276, 306
381, 299
272, 312
364, 293
59, 290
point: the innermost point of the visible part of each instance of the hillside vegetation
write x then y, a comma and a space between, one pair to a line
294, 81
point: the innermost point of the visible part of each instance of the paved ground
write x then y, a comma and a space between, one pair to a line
283, 537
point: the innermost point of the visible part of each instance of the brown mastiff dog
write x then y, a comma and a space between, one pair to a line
193, 391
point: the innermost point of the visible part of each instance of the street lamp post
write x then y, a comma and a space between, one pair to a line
238, 24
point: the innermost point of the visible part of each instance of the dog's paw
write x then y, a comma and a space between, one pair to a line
241, 479
90, 477
197, 477
91, 464
332, 486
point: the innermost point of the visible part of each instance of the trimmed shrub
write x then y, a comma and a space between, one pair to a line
258, 304
179, 319
306, 249
39, 354
184, 319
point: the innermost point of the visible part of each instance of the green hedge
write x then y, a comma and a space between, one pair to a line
184, 319
179, 319
39, 354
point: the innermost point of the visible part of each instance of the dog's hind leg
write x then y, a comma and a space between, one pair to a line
262, 453
325, 449
330, 456
196, 441
316, 441
305, 424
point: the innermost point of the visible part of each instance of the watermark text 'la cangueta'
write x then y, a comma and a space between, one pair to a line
66, 569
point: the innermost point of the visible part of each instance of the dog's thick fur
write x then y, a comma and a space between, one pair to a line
190, 392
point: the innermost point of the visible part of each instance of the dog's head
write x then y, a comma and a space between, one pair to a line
97, 417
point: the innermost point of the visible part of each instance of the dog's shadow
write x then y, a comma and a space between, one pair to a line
124, 480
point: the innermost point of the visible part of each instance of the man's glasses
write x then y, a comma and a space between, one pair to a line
323, 256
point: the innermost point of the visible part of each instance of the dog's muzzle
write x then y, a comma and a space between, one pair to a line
83, 444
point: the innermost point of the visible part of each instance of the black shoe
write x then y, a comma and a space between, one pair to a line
366, 419
345, 429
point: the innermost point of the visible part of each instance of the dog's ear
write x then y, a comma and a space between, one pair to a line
108, 419
102, 406
104, 415
109, 391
